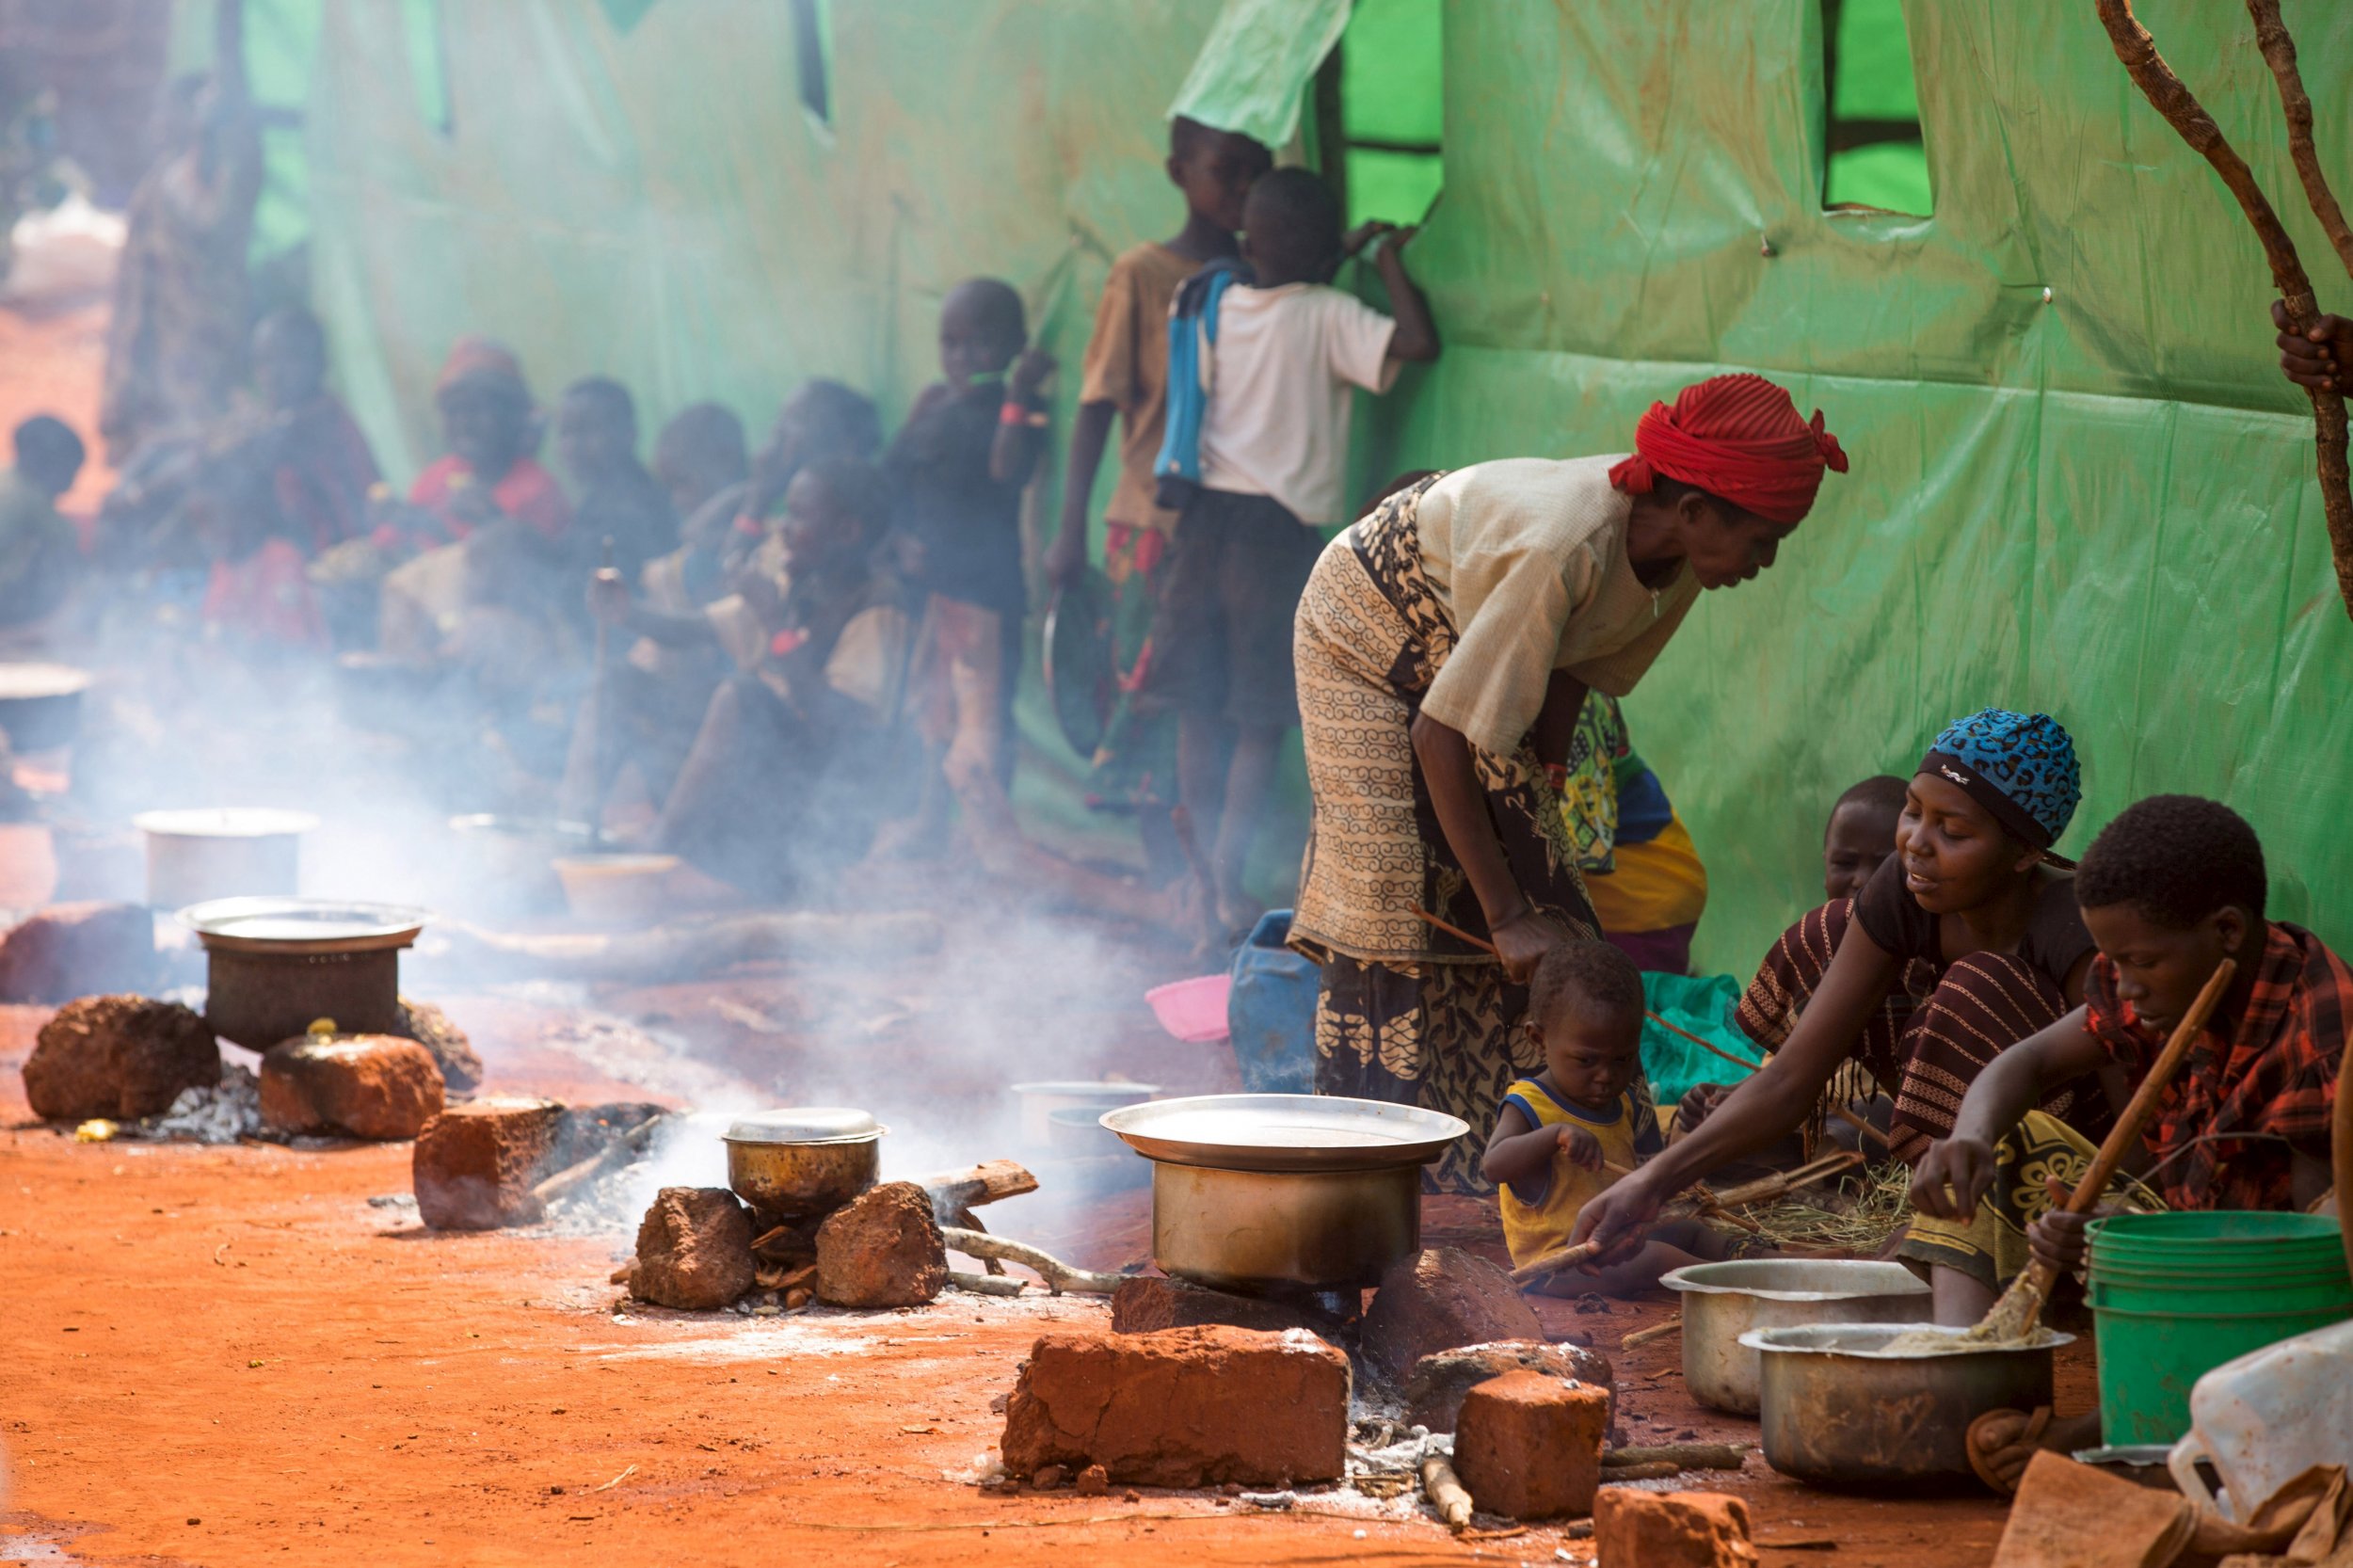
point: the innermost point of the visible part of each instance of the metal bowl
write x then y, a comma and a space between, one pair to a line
804, 1161
1723, 1300
291, 927
1840, 1411
41, 705
1285, 1132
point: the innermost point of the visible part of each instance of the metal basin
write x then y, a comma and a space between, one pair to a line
1723, 1300
1839, 1411
799, 1163
1257, 1191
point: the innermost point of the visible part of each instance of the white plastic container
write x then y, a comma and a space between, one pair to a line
2267, 1417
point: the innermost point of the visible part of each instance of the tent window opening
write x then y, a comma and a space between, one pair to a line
1381, 111
812, 51
429, 63
1877, 159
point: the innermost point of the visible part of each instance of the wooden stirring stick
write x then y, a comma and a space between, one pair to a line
2024, 1301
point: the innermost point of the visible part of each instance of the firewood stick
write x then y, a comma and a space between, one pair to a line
1785, 1182
984, 1284
1656, 1331
954, 1192
1688, 1456
1553, 1262
2181, 110
965, 1219
1649, 1470
1846, 1113
1058, 1276
1446, 1492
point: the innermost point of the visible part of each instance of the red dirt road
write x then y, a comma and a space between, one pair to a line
227, 1356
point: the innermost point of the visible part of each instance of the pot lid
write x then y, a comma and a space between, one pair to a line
224, 821
1285, 1132
805, 1123
301, 926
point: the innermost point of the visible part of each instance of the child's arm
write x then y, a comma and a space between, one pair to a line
1090, 433
1020, 438
1955, 1172
1415, 340
1518, 1151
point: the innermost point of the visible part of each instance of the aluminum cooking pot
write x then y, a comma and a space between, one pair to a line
1723, 1300
1840, 1411
801, 1162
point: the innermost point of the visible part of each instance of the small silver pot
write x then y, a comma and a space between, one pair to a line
800, 1163
1839, 1411
1723, 1300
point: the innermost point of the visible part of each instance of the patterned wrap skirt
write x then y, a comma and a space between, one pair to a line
1406, 1013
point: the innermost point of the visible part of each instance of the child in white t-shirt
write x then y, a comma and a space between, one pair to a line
1290, 351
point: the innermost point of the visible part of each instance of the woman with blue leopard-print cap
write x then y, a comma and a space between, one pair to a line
1971, 929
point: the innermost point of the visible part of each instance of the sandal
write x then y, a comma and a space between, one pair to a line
1999, 1434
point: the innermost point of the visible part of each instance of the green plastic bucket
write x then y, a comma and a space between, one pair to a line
2174, 1296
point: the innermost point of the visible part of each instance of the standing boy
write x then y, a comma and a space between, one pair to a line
1290, 349
959, 465
1125, 375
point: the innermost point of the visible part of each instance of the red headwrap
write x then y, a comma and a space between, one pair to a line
484, 359
1739, 436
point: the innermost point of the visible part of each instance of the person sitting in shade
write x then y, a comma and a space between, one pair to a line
38, 557
489, 428
622, 506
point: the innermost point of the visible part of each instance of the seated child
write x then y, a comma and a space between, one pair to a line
2169, 888
1859, 835
38, 556
1569, 1131
490, 428
596, 438
699, 453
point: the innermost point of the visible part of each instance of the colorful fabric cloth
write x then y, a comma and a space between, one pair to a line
1930, 1036
1991, 1245
1627, 1133
1641, 870
2021, 767
1738, 437
1406, 1013
2255, 1090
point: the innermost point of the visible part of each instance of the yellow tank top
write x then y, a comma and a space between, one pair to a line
1628, 1133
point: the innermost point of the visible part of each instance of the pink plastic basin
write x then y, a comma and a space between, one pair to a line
1193, 1010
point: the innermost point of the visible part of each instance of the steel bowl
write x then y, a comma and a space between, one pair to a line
1839, 1411
805, 1161
1258, 1191
1723, 1300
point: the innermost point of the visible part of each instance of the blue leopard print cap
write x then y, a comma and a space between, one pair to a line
2021, 767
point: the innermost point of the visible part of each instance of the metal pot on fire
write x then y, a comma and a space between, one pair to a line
275, 966
803, 1161
1253, 1192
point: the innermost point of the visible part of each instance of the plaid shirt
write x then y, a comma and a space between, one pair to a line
2272, 1072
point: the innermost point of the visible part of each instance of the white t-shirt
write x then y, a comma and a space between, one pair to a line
1281, 386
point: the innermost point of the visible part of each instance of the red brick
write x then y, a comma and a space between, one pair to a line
1149, 1302
1528, 1445
1671, 1529
475, 1164
1435, 1393
1438, 1300
429, 1027
73, 950
694, 1248
882, 1248
367, 1085
118, 1056
1182, 1407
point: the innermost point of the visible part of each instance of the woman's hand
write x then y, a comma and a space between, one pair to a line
1952, 1177
2057, 1238
1618, 1215
1698, 1104
1522, 941
1582, 1147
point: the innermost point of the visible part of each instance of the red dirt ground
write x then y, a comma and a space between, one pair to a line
228, 1356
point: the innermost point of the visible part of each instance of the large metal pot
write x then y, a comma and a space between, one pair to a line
805, 1161
1723, 1300
1258, 1191
1838, 1410
275, 966
41, 705
222, 852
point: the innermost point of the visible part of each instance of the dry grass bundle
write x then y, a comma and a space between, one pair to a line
1857, 1216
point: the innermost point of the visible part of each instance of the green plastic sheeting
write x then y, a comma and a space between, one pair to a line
2079, 483
1252, 72
1703, 1006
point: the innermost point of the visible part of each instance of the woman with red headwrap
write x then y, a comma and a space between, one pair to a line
1444, 644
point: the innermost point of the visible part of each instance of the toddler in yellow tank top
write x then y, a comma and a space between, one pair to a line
1569, 1131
